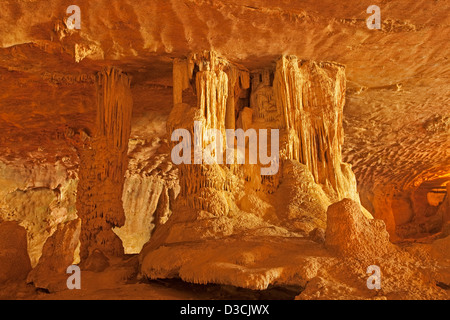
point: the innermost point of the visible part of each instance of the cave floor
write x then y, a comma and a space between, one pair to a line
117, 282
173, 289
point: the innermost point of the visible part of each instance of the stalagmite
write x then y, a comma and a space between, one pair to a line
103, 166
311, 99
216, 84
304, 101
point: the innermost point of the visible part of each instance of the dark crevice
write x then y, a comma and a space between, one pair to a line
443, 285
226, 292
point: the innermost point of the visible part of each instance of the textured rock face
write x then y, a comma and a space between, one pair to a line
14, 261
369, 125
39, 197
60, 251
350, 234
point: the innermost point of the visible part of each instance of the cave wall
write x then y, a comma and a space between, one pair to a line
39, 198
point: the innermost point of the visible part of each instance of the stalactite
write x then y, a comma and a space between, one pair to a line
103, 166
262, 98
303, 99
218, 86
212, 94
310, 98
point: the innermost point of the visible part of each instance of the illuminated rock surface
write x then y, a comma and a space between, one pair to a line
104, 162
60, 251
86, 118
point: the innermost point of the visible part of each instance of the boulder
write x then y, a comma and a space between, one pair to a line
14, 260
350, 233
60, 251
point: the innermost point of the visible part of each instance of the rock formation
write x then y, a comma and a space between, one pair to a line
218, 201
60, 251
111, 155
103, 165
14, 260
150, 188
350, 234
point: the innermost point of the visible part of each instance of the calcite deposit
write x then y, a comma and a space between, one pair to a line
237, 145
227, 200
104, 162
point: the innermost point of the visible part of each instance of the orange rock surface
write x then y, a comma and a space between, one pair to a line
86, 166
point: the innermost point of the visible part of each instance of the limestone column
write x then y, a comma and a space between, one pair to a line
103, 166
